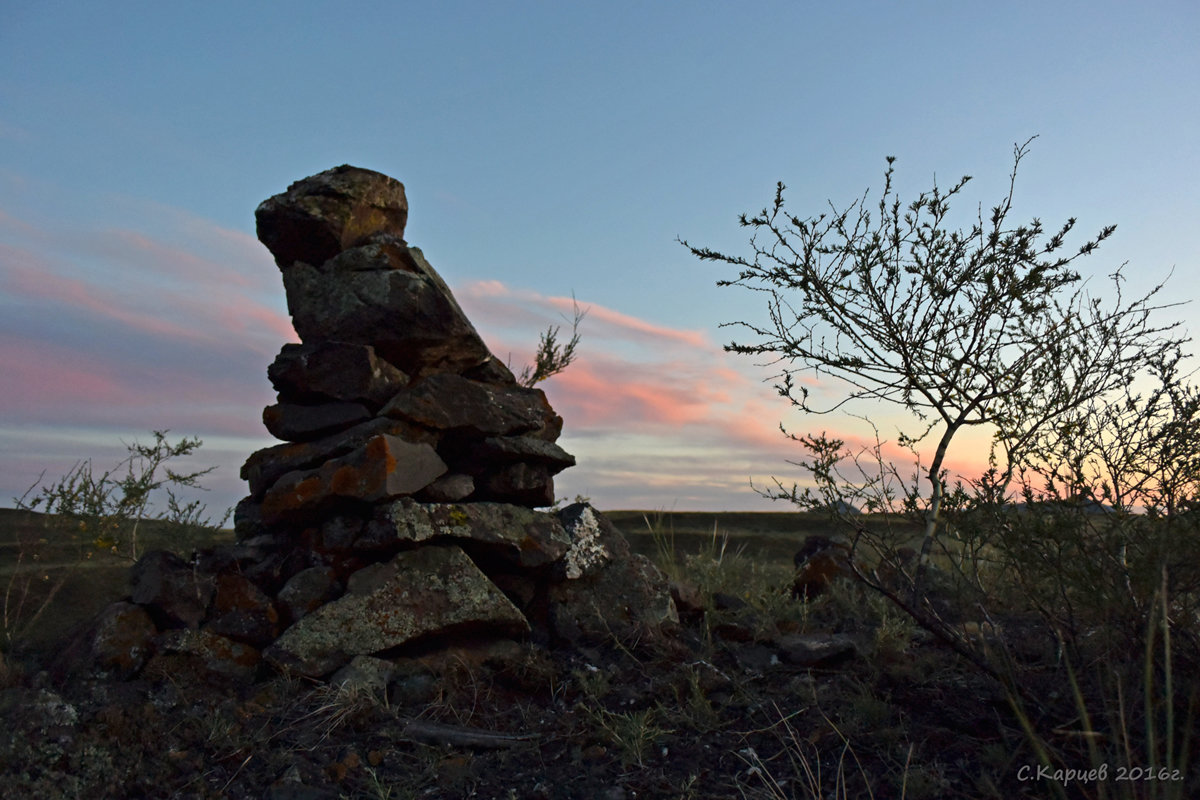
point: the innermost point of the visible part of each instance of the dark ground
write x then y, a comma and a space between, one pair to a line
714, 712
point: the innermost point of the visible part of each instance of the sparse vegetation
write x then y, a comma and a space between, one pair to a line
724, 715
1078, 546
552, 355
111, 507
64, 536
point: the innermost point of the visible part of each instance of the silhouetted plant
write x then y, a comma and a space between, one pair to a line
1094, 427
111, 506
989, 326
552, 355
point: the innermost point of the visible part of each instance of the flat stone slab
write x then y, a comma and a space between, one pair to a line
264, 467
522, 536
418, 594
384, 468
448, 402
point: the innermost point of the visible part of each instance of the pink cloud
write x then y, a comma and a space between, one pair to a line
40, 376
615, 322
181, 313
51, 384
131, 248
41, 283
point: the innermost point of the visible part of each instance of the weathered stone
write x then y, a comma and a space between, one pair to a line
428, 592
209, 655
492, 371
448, 402
365, 673
527, 484
321, 215
689, 603
307, 591
407, 316
819, 561
449, 488
414, 686
334, 371
509, 449
247, 517
384, 468
517, 535
277, 568
594, 541
241, 611
341, 532
607, 591
813, 649
165, 583
263, 468
122, 640
293, 422
232, 557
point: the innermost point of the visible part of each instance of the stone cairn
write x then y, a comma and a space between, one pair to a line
399, 515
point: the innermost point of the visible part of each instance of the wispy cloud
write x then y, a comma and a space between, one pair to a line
610, 323
120, 332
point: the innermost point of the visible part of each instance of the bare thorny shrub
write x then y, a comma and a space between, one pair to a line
1092, 420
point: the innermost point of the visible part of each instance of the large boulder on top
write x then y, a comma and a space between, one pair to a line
319, 216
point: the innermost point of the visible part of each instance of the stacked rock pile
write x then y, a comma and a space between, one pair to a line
400, 511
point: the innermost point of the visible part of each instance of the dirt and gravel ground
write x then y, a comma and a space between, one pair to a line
720, 710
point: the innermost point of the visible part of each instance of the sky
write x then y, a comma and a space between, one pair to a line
549, 151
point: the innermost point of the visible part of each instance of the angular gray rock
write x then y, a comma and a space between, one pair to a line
608, 590
423, 593
448, 402
264, 467
328, 370
164, 582
296, 422
405, 316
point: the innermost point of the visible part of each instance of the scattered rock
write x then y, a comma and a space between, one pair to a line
163, 582
123, 640
609, 590
819, 561
204, 656
816, 649
365, 673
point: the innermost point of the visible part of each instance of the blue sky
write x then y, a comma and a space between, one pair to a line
548, 149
